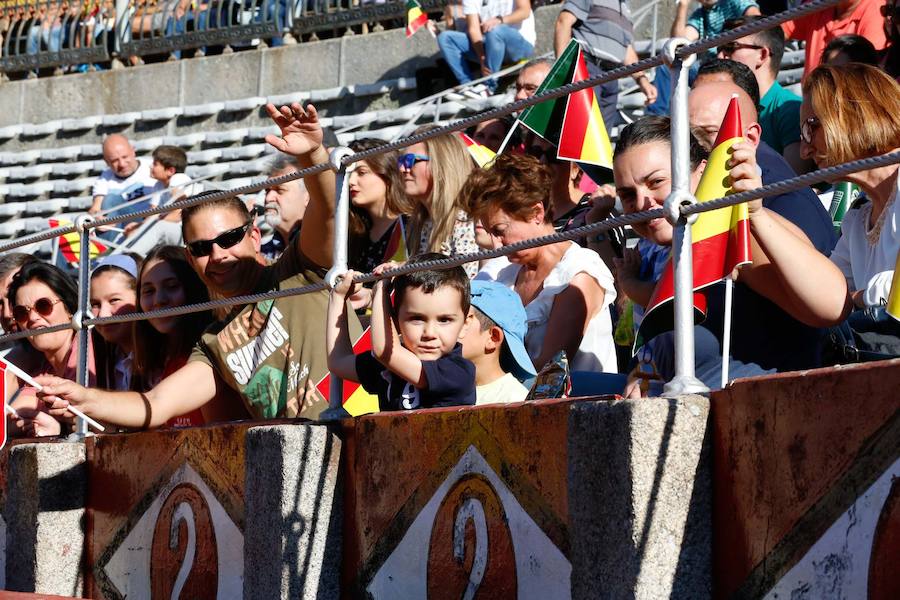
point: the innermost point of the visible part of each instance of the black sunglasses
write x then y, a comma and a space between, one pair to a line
226, 239
732, 47
43, 307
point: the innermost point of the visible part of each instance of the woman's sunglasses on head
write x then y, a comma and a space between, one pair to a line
224, 240
43, 307
407, 161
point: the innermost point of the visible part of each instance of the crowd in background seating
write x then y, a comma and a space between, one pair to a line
481, 333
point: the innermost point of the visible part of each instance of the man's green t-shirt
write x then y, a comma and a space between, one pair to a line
779, 117
273, 352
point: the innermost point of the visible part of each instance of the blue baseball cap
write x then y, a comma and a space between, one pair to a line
504, 307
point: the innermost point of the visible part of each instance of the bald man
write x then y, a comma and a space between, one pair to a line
126, 177
771, 338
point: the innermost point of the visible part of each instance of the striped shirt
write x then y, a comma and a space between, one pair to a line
604, 27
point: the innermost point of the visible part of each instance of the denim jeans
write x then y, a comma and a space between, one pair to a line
502, 43
663, 82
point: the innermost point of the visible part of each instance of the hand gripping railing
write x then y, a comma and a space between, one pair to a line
679, 207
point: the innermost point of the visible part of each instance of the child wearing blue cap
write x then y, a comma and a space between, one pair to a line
495, 343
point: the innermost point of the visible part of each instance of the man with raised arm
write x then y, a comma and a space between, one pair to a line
271, 352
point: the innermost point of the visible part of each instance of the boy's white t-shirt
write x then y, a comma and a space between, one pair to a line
502, 391
179, 182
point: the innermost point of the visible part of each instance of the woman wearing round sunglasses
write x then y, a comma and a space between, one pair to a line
43, 296
431, 174
848, 113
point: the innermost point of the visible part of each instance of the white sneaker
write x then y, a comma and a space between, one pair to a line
477, 92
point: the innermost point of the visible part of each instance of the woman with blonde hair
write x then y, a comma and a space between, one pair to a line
849, 112
431, 174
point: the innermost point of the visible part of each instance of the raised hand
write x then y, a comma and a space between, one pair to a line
345, 285
301, 132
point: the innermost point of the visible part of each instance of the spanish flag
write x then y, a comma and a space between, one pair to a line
481, 154
355, 399
893, 303
70, 243
415, 18
396, 248
720, 238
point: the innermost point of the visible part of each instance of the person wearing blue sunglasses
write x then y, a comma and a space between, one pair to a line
431, 174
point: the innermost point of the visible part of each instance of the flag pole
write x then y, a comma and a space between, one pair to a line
16, 371
726, 330
508, 137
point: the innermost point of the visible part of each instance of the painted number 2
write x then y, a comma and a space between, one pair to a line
470, 554
183, 558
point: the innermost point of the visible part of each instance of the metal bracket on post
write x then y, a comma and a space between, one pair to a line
336, 410
684, 381
82, 333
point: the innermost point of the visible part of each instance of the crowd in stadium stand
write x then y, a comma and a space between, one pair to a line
494, 331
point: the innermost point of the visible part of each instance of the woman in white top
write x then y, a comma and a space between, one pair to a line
566, 289
848, 113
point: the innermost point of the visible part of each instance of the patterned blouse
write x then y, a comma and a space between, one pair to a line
462, 240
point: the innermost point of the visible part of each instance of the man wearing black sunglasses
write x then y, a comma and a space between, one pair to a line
271, 352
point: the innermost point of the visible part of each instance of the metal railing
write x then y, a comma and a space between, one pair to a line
70, 33
679, 206
55, 33
169, 26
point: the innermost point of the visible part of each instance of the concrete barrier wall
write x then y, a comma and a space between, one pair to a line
806, 471
584, 498
560, 499
327, 64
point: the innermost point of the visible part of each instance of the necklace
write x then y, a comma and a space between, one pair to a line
874, 234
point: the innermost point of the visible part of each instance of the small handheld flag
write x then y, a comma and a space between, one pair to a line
573, 123
481, 154
415, 17
720, 238
893, 303
5, 365
70, 243
355, 399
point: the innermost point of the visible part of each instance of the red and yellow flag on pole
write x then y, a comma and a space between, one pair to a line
415, 17
481, 154
355, 399
70, 243
583, 137
720, 238
893, 303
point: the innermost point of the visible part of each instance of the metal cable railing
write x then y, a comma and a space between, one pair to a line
679, 205
458, 125
781, 187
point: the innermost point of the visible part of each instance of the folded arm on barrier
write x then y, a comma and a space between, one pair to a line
301, 137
